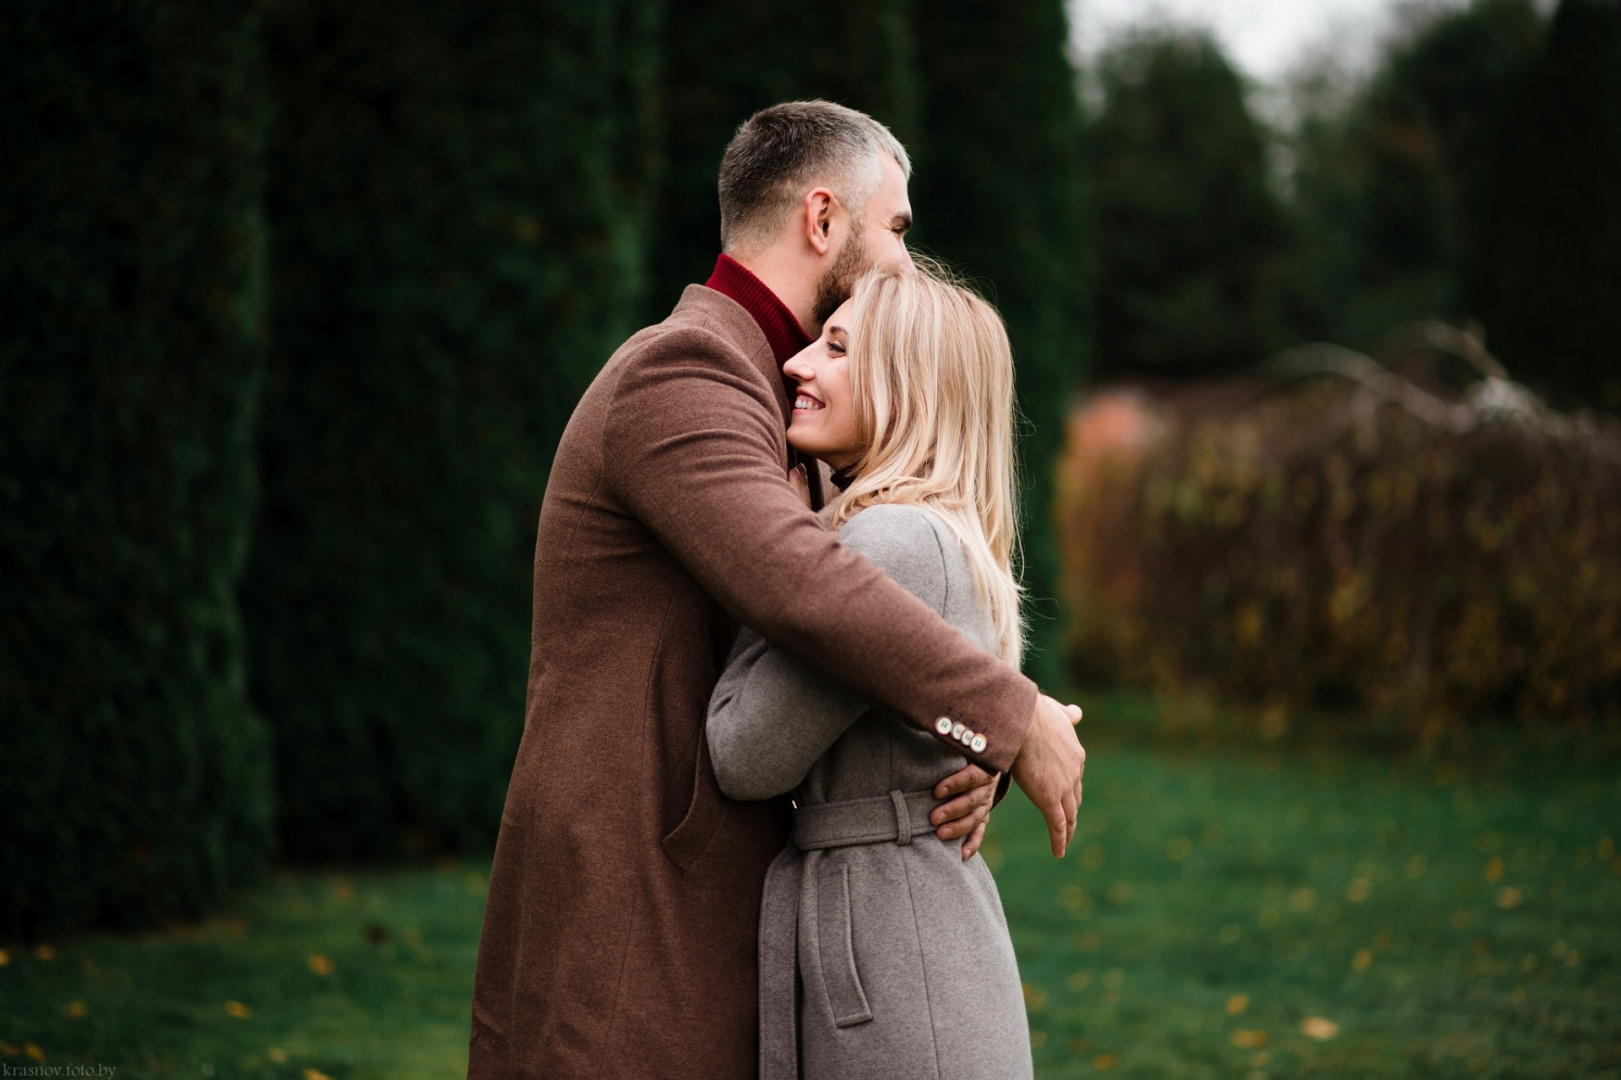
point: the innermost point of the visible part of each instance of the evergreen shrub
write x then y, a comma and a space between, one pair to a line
132, 300
1364, 544
457, 196
1001, 192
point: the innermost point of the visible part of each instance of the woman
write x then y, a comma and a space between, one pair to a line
884, 952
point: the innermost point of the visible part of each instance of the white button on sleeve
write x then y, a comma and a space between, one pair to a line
957, 730
943, 725
978, 745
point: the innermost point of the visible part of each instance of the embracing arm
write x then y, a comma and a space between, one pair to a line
772, 716
694, 449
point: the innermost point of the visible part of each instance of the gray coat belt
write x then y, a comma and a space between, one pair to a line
883, 955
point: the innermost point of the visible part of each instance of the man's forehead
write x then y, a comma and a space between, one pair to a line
890, 200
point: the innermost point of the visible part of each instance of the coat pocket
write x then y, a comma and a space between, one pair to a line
837, 948
705, 811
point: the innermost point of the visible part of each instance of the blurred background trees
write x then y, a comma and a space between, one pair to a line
1191, 235
298, 300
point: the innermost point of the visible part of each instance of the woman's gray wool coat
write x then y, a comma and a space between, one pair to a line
883, 954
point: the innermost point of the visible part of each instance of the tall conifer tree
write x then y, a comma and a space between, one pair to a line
458, 192
1548, 284
1191, 234
999, 192
132, 335
1433, 119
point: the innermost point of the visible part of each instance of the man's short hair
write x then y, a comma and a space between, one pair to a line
780, 153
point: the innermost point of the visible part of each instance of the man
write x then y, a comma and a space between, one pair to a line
619, 934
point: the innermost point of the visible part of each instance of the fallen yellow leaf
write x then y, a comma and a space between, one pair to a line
1319, 1027
45, 953
1509, 897
1104, 1062
276, 1054
1361, 960
33, 1052
9, 1050
321, 965
1249, 1040
5, 958
315, 1074
1494, 869
76, 1009
1237, 1004
238, 1010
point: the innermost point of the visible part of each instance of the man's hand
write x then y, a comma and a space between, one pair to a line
966, 814
1049, 768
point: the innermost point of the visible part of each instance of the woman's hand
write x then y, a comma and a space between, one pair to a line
965, 815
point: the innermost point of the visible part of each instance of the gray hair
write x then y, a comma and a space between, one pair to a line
782, 152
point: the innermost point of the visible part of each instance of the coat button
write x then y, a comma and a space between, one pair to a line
966, 738
978, 745
957, 730
943, 725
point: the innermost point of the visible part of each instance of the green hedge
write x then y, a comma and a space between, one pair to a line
131, 356
457, 196
1000, 191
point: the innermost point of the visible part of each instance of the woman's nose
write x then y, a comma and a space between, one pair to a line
797, 367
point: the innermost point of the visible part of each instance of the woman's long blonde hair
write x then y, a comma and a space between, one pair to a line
931, 381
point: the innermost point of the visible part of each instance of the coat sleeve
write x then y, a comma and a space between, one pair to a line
772, 715
693, 448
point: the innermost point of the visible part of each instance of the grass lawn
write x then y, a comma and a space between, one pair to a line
1319, 912
1252, 911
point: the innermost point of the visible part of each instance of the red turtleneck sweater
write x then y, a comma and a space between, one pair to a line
782, 331
731, 278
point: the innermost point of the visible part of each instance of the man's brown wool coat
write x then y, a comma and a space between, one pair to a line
619, 934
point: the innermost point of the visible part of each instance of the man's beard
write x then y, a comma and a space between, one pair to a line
839, 279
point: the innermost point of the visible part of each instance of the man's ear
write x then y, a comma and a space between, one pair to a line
818, 214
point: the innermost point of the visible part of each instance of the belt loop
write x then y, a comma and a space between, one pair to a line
903, 821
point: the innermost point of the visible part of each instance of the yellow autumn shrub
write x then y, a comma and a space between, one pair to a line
1358, 542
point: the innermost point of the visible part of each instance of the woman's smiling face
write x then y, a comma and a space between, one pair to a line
824, 421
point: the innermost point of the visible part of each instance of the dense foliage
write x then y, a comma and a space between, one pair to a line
1191, 236
1356, 544
132, 266
1549, 274
457, 195
1393, 187
1000, 191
